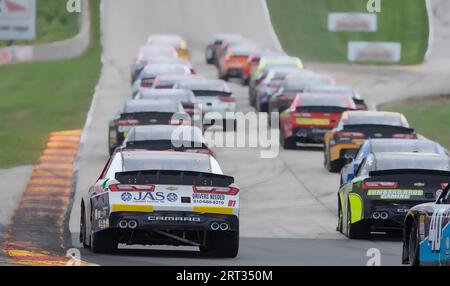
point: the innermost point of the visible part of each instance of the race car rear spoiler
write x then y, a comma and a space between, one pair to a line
410, 172
174, 177
211, 93
379, 126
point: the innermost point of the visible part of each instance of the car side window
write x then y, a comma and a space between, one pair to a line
114, 167
361, 152
366, 166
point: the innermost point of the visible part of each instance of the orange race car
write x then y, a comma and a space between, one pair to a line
311, 115
342, 143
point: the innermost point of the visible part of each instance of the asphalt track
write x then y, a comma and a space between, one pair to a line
288, 204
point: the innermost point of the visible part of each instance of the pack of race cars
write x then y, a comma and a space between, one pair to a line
163, 185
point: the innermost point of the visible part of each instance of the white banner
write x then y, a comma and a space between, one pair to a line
374, 51
16, 54
352, 22
17, 19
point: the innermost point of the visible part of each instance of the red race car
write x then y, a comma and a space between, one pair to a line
311, 116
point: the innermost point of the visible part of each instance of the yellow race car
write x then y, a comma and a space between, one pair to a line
175, 41
342, 143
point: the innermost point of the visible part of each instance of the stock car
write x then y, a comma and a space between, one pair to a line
269, 83
310, 116
185, 97
291, 86
175, 41
339, 89
150, 72
386, 187
144, 112
161, 198
275, 61
388, 145
252, 63
167, 81
426, 232
232, 63
166, 138
212, 50
148, 54
216, 100
342, 143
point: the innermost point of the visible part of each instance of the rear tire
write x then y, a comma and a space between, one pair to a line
413, 246
288, 143
83, 232
223, 244
104, 242
359, 231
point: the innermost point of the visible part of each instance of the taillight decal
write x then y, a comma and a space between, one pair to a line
231, 191
131, 188
379, 185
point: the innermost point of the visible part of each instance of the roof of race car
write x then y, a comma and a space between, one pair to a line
152, 70
411, 160
404, 145
165, 132
374, 117
324, 99
204, 84
149, 105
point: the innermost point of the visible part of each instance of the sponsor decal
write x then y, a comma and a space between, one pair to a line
17, 19
419, 184
387, 194
352, 22
172, 197
143, 197
374, 51
126, 197
208, 199
231, 203
436, 227
175, 218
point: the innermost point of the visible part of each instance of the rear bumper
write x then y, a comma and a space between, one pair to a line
343, 151
182, 221
309, 134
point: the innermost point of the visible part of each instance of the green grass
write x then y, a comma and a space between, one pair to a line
302, 26
429, 116
53, 23
38, 98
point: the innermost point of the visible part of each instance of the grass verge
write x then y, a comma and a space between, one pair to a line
302, 27
38, 98
428, 115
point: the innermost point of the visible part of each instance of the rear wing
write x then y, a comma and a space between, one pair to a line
211, 93
410, 172
173, 177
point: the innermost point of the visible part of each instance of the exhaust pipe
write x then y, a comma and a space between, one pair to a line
123, 224
384, 215
224, 226
376, 215
132, 224
215, 226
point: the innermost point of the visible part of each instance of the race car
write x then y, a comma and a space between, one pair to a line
150, 54
388, 145
150, 72
216, 100
426, 231
339, 89
342, 143
161, 198
212, 50
269, 84
144, 112
167, 81
274, 61
166, 138
232, 63
252, 63
386, 187
185, 97
282, 99
310, 116
175, 41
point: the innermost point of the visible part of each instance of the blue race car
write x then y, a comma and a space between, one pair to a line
426, 232
388, 145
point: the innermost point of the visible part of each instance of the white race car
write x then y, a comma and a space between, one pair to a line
162, 198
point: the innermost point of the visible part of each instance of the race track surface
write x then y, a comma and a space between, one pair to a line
288, 204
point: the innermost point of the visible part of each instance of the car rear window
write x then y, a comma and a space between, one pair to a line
185, 162
391, 120
407, 146
392, 162
323, 100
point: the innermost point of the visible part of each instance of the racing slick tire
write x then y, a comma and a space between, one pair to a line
103, 242
288, 143
222, 244
331, 166
340, 219
356, 231
413, 246
244, 81
83, 233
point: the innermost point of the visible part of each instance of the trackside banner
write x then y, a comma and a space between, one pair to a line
352, 22
374, 52
17, 19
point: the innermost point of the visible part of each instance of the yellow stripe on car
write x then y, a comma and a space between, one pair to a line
312, 121
213, 210
132, 208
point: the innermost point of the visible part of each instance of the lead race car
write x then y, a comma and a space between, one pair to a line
162, 198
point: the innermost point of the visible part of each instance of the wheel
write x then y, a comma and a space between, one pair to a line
355, 231
104, 241
222, 244
83, 233
331, 166
413, 246
340, 220
244, 81
289, 143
